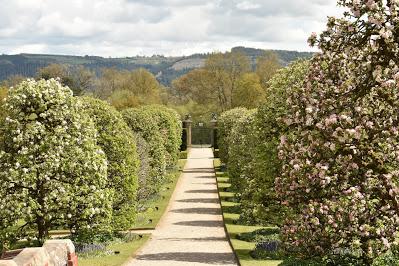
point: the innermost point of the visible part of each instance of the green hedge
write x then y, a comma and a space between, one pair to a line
225, 125
241, 149
259, 201
143, 122
143, 150
170, 126
118, 142
252, 148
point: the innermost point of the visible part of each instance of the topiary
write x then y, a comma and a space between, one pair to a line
258, 148
118, 142
53, 173
144, 188
240, 149
225, 124
170, 126
142, 122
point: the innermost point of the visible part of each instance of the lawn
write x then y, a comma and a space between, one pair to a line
231, 215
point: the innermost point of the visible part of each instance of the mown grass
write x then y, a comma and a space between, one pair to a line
231, 215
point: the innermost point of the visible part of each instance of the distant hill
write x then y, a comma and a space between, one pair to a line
285, 56
165, 68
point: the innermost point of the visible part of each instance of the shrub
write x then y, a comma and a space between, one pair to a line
225, 125
387, 259
142, 122
340, 176
118, 142
53, 173
170, 126
269, 249
291, 261
260, 235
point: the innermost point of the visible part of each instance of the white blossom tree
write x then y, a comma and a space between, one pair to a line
52, 173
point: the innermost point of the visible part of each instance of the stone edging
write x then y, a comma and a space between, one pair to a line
55, 252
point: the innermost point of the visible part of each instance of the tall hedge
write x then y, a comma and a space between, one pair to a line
143, 151
225, 125
119, 144
143, 122
170, 126
241, 149
260, 201
253, 163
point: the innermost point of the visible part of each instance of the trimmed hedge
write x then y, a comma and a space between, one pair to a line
118, 142
170, 126
258, 198
240, 149
143, 150
260, 201
252, 146
225, 124
142, 122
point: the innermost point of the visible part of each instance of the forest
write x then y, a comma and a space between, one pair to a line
164, 68
216, 83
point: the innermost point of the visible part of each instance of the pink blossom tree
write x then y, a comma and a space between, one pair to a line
340, 175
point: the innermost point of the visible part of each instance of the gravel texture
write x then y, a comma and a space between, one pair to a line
191, 232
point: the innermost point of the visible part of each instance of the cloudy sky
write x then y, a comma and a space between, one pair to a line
170, 27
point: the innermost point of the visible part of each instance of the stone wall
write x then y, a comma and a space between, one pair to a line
57, 252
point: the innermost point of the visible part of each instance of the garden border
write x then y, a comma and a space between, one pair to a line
224, 222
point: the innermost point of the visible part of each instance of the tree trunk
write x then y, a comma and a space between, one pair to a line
41, 223
42, 230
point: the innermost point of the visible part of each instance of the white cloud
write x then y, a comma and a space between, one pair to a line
247, 5
170, 27
31, 48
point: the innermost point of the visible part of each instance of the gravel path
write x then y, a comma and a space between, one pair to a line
191, 232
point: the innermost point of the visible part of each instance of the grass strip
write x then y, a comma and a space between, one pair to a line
231, 215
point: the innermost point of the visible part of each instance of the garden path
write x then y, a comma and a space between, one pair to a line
191, 232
